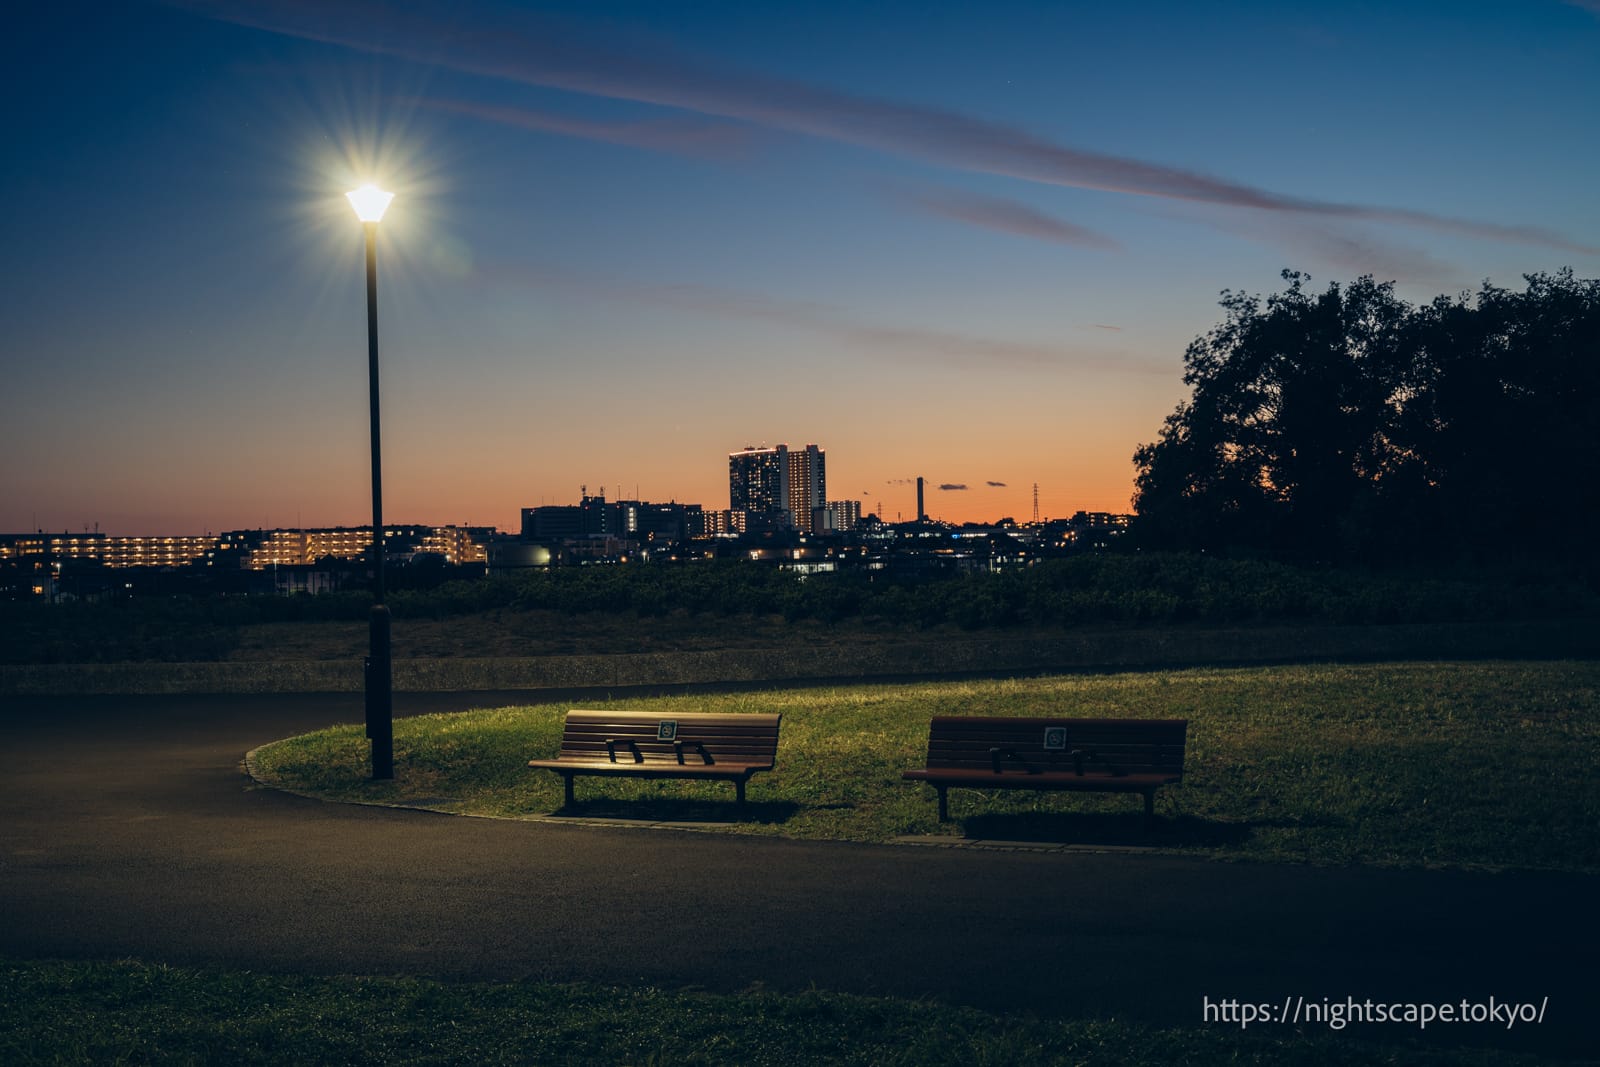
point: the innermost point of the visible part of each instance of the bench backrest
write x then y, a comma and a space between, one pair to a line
1098, 746
743, 739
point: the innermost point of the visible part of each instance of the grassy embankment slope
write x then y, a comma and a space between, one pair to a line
731, 622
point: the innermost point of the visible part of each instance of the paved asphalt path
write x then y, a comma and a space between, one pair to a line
130, 829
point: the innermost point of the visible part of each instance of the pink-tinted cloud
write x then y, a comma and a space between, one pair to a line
1352, 251
920, 346
1007, 216
911, 343
533, 50
675, 134
1349, 248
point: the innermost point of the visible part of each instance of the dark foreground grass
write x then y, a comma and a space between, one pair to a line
129, 1012
1409, 764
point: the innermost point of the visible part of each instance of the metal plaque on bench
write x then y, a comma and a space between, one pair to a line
667, 730
1055, 739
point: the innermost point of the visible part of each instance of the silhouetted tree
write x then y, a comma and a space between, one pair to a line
1511, 422
1349, 425
1288, 428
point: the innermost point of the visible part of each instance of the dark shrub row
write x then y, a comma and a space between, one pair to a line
1111, 589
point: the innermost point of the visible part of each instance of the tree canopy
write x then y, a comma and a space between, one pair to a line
1350, 425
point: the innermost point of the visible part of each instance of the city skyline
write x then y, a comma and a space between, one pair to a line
964, 244
600, 495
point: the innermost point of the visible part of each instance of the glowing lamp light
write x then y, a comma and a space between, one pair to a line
370, 202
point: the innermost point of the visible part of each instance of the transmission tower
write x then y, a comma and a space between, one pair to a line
1036, 503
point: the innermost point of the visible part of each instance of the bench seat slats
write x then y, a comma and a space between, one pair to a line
957, 724
1060, 761
1087, 782
690, 772
1011, 777
657, 768
710, 723
651, 744
662, 759
601, 731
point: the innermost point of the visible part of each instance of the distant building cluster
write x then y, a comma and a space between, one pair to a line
284, 561
594, 516
778, 512
250, 549
291, 548
109, 551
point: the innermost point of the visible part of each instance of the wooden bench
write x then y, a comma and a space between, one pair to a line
1100, 755
631, 744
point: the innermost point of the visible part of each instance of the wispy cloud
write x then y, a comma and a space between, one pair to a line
995, 485
1007, 216
952, 487
907, 343
1103, 326
1591, 6
683, 136
1350, 248
534, 50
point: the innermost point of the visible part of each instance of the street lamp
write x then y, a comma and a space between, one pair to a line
370, 203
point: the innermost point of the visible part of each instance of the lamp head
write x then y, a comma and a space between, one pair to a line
369, 202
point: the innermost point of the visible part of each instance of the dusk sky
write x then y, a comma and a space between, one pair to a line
968, 242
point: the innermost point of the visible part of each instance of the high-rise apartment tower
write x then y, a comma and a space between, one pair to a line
776, 481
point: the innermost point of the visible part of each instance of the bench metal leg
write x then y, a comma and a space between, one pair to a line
1149, 808
944, 804
567, 778
738, 789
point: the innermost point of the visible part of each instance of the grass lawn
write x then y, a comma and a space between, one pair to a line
128, 1012
1408, 764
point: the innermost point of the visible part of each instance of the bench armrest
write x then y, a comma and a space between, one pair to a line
677, 746
997, 754
1081, 754
613, 742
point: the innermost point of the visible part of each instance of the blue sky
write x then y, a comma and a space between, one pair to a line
968, 242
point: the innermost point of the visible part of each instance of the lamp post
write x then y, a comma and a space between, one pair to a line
370, 203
